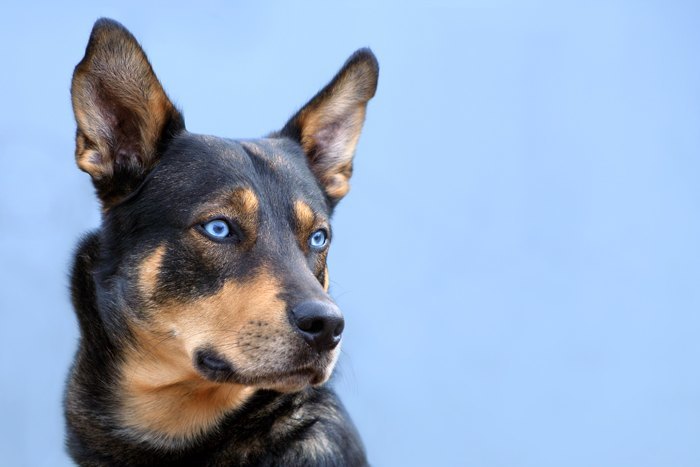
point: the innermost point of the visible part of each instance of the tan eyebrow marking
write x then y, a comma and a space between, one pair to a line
246, 205
305, 222
242, 206
305, 219
245, 202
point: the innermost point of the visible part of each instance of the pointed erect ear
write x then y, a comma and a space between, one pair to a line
329, 126
124, 117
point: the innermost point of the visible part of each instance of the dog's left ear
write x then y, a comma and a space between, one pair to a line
124, 116
329, 125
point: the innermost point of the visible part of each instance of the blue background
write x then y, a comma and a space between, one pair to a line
518, 259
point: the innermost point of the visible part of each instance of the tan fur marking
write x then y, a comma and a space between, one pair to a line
242, 206
245, 207
248, 202
164, 399
326, 280
305, 218
149, 269
306, 221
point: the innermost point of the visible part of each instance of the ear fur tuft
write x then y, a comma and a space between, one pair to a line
329, 125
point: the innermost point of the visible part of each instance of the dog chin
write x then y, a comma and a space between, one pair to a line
299, 374
295, 377
296, 380
290, 383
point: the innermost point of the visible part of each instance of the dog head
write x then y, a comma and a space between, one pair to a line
213, 251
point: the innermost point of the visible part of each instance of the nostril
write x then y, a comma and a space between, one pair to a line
312, 326
339, 329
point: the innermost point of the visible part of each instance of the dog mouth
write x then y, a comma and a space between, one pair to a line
217, 368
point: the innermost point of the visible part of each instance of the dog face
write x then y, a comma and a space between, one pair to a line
214, 250
233, 271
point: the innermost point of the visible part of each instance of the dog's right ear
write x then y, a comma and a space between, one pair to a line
329, 125
124, 116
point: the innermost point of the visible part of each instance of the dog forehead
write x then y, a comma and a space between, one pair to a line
274, 167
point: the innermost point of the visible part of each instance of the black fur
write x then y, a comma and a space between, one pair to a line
244, 438
154, 193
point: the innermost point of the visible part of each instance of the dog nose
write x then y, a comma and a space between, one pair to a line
319, 323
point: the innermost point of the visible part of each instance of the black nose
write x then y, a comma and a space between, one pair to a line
319, 323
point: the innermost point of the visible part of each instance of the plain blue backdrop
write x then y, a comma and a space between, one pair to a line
518, 259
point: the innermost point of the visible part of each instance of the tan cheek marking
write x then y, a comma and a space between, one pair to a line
164, 399
216, 320
149, 269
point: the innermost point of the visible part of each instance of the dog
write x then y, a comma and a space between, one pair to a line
207, 331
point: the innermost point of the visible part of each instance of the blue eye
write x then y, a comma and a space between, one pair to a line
217, 229
318, 239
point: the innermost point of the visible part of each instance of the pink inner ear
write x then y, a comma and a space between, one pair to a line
327, 138
328, 126
330, 137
